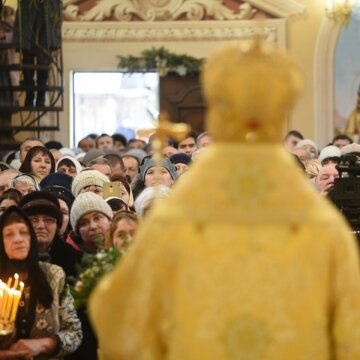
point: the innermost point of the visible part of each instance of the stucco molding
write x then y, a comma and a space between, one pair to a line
279, 8
274, 30
172, 10
157, 10
324, 81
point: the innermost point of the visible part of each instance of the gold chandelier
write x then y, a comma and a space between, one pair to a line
339, 10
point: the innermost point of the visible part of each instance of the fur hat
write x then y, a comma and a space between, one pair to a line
180, 158
85, 203
330, 151
62, 193
87, 178
42, 203
165, 163
59, 179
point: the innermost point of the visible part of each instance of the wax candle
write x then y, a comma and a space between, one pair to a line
10, 298
9, 304
16, 282
17, 296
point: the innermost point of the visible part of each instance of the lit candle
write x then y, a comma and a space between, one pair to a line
17, 296
21, 287
16, 282
10, 298
6, 298
9, 304
1, 296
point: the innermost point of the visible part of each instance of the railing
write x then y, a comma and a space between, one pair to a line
28, 118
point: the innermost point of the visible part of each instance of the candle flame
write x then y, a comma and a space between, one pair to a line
10, 294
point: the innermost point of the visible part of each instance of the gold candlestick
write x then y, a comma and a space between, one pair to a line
164, 130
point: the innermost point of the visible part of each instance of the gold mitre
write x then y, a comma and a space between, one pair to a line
249, 86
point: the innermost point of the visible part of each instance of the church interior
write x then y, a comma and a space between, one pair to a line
179, 179
95, 34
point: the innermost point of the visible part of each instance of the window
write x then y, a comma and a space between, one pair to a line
113, 102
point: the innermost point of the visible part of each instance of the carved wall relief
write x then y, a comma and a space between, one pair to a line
157, 10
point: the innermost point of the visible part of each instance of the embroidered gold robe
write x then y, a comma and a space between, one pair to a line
244, 260
256, 266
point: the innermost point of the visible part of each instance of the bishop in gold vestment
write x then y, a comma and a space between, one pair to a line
244, 260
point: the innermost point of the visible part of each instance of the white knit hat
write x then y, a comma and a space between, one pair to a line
85, 203
330, 151
87, 178
305, 142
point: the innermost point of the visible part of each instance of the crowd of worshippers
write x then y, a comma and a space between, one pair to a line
321, 167
58, 204
68, 202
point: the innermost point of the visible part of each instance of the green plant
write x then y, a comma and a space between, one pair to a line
160, 60
92, 268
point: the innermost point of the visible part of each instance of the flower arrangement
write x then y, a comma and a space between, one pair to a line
92, 268
162, 61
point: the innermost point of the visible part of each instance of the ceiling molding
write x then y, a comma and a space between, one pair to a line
273, 29
279, 8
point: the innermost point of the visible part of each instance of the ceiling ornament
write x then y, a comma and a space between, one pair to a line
158, 10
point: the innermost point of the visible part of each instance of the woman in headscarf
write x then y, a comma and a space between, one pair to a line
39, 161
68, 165
47, 325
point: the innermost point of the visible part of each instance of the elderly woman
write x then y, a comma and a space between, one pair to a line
39, 162
310, 147
47, 325
25, 183
44, 212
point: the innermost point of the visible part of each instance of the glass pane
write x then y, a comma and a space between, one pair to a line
114, 102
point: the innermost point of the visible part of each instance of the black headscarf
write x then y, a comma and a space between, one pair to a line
40, 290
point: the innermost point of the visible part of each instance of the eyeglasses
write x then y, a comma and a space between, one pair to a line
45, 219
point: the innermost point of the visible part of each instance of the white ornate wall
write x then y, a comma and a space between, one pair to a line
194, 27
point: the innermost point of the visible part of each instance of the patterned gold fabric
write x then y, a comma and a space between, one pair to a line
254, 266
